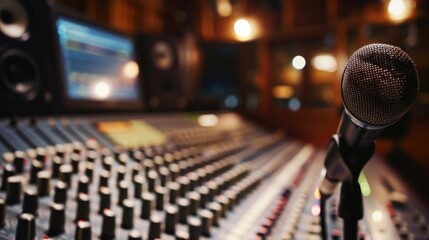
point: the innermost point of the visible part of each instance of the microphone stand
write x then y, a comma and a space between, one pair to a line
351, 203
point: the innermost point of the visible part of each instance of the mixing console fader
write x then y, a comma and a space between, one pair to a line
179, 177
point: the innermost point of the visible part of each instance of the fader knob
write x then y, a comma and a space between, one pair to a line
173, 192
56, 164
31, 202
174, 171
147, 205
105, 199
137, 155
171, 218
108, 163
164, 173
151, 180
154, 228
57, 219
66, 171
336, 234
60, 151
160, 193
13, 191
159, 162
75, 160
60, 194
77, 147
194, 199
147, 165
108, 225
2, 213
83, 231
123, 159
137, 167
213, 189
36, 167
168, 158
204, 195
123, 192
127, 214
194, 225
117, 151
18, 162
44, 183
209, 170
216, 209
202, 176
206, 222
183, 210
8, 171
134, 235
193, 180
92, 156
120, 175
41, 155
138, 185
105, 152
184, 186
103, 180
184, 168
222, 184
89, 170
182, 235
224, 202
26, 229
149, 153
83, 210
232, 197
83, 185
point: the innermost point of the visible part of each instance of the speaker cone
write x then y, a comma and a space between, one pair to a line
19, 76
162, 55
13, 19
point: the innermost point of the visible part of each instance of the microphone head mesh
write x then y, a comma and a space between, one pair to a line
379, 84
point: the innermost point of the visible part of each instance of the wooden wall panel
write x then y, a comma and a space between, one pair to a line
128, 16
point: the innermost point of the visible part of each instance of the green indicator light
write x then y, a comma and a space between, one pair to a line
364, 185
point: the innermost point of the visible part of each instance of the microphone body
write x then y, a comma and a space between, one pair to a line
378, 86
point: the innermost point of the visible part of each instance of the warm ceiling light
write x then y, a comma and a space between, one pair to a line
242, 29
224, 8
282, 92
399, 9
324, 62
298, 62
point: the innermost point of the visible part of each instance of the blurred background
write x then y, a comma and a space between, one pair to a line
276, 62
280, 62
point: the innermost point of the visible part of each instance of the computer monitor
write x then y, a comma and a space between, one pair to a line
98, 69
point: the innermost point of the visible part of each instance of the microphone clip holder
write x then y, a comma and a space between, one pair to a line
351, 203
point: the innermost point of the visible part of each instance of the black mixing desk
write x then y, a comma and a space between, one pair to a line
178, 176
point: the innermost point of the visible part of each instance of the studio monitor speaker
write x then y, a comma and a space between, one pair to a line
25, 57
161, 66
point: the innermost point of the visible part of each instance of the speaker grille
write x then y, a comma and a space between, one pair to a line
379, 84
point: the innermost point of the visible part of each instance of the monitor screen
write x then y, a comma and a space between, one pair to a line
98, 65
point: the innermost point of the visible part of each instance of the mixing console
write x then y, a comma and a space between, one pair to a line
167, 177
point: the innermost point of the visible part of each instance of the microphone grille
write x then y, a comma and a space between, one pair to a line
379, 84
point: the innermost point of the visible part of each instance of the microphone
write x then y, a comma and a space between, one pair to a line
378, 86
